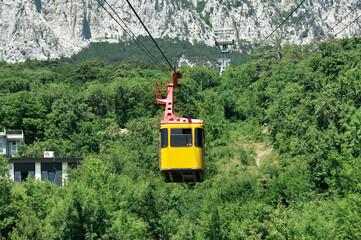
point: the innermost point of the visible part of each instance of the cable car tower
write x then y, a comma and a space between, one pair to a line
224, 39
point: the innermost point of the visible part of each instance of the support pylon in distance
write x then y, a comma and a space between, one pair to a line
181, 139
224, 39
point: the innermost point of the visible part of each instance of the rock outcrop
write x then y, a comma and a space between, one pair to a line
48, 29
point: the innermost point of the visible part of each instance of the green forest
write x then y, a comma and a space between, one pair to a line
196, 52
282, 143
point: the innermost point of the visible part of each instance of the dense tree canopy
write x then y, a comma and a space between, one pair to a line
282, 148
174, 49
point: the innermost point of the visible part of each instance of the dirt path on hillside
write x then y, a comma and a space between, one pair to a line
260, 150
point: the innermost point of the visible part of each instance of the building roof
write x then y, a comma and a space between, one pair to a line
44, 160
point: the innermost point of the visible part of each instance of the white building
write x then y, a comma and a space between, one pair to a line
10, 140
53, 170
43, 169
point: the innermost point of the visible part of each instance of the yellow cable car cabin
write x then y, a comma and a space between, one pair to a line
181, 158
182, 140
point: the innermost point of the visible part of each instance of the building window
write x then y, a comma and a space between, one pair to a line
31, 174
44, 175
2, 145
58, 178
13, 147
181, 137
9, 149
52, 172
51, 176
17, 177
23, 171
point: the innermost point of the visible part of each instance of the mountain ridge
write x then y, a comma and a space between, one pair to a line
46, 29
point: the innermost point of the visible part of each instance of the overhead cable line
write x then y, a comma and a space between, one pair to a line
334, 36
294, 10
150, 35
346, 27
342, 19
132, 35
135, 38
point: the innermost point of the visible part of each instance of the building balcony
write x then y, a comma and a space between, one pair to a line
14, 134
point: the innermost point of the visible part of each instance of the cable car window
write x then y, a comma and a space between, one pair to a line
198, 137
164, 138
181, 137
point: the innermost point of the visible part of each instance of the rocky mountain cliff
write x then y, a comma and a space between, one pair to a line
46, 29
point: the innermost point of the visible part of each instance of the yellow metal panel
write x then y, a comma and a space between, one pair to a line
181, 157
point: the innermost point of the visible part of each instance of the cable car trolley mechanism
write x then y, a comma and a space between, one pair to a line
182, 139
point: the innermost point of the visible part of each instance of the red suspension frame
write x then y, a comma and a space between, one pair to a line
164, 96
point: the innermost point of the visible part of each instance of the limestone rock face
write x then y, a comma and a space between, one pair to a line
48, 29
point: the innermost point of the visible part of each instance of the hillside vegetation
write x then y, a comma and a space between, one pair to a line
174, 49
282, 149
